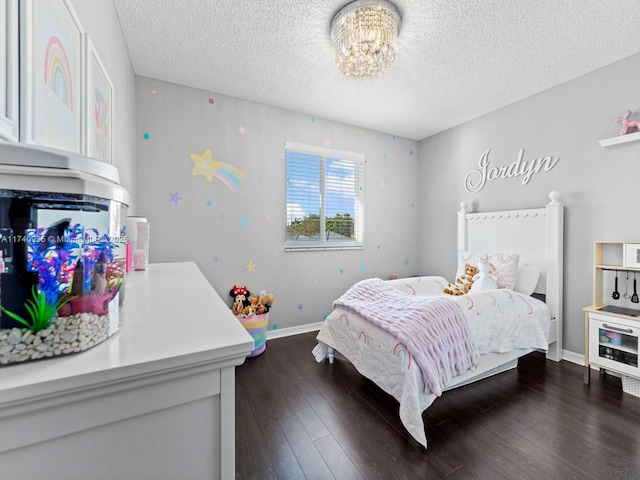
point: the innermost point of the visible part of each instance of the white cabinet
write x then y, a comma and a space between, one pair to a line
613, 343
156, 400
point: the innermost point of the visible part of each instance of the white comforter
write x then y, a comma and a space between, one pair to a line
499, 321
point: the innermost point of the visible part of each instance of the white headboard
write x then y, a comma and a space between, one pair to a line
537, 235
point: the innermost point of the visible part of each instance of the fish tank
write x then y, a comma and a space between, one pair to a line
62, 253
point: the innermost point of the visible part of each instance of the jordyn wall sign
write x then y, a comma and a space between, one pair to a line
477, 179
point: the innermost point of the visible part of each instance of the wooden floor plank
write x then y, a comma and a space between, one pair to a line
535, 422
310, 460
337, 460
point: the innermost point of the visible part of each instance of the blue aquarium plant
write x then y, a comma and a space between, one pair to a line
81, 262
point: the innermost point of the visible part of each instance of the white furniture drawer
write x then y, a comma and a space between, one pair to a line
613, 343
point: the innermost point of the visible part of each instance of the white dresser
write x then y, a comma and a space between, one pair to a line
155, 401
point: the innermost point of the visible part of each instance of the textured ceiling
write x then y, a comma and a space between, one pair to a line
457, 59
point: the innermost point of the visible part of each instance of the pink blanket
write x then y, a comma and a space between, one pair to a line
432, 328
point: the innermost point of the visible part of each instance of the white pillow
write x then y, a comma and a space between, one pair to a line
505, 266
527, 279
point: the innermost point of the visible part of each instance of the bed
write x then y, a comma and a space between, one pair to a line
503, 324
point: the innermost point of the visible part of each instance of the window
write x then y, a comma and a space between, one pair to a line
325, 198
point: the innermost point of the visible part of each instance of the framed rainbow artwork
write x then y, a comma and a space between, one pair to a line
52, 82
99, 107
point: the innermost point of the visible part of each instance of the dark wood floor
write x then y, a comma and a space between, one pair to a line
296, 418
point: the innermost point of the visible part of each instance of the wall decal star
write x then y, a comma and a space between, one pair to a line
251, 267
242, 130
174, 197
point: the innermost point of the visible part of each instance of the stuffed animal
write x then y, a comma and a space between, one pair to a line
260, 308
240, 296
253, 299
249, 311
484, 279
256, 304
267, 301
463, 283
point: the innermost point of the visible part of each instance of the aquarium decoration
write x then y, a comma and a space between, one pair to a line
40, 309
80, 262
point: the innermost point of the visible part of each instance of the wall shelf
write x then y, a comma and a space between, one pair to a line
629, 137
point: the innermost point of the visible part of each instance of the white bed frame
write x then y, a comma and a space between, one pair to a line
538, 236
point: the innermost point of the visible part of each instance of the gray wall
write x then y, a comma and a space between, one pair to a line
100, 21
223, 230
599, 186
413, 190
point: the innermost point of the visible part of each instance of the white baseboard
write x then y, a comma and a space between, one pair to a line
297, 330
573, 357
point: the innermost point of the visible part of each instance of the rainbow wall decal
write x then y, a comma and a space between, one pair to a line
229, 175
57, 73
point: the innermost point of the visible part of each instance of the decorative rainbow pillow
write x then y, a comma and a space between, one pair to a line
505, 266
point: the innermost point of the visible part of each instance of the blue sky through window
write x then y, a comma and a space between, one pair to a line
304, 184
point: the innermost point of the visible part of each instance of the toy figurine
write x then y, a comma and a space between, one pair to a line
626, 124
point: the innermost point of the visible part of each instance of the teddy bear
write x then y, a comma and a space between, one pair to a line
484, 279
463, 283
267, 301
240, 296
256, 303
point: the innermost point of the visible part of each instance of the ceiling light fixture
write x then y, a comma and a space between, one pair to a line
365, 38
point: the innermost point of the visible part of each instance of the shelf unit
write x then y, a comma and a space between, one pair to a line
612, 326
629, 137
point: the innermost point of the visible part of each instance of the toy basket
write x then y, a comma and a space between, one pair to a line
631, 385
256, 325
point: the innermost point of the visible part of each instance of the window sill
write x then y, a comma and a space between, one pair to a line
309, 248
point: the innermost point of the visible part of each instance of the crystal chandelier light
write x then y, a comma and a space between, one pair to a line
365, 38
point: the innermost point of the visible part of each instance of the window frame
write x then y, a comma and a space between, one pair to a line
358, 160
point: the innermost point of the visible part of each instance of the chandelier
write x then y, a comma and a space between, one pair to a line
365, 38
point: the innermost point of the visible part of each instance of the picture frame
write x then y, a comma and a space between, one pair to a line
51, 63
9, 73
99, 106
